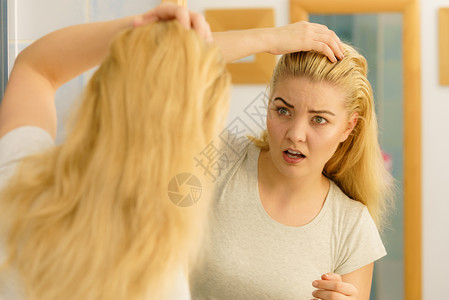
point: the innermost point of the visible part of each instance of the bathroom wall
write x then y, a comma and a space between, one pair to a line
30, 19
435, 158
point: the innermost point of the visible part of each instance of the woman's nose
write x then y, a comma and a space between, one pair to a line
297, 132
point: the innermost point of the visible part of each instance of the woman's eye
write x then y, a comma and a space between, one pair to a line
319, 120
282, 111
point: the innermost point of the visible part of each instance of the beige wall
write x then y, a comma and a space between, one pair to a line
435, 117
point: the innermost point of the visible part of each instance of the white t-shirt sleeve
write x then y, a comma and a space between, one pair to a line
14, 146
18, 144
361, 245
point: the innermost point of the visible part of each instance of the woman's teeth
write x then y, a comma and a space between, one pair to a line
294, 154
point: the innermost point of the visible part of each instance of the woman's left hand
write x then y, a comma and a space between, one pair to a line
168, 11
304, 36
331, 286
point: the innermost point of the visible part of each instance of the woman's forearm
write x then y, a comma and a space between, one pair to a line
66, 53
242, 43
300, 36
48, 63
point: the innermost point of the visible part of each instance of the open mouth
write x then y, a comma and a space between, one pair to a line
294, 154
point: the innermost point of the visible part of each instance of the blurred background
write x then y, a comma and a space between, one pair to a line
379, 39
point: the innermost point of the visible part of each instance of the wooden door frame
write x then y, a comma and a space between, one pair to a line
3, 48
300, 10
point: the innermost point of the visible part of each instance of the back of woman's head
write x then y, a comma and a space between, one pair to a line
162, 89
91, 219
357, 165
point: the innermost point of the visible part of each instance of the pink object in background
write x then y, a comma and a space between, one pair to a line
388, 161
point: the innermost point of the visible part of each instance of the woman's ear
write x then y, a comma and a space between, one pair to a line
350, 126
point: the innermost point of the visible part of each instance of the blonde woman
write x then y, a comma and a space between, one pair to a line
295, 216
90, 219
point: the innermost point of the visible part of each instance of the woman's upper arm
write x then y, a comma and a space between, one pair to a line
361, 279
28, 101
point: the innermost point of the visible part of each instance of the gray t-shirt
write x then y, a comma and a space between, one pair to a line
16, 145
251, 256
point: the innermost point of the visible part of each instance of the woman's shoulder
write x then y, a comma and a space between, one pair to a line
232, 156
23, 141
20, 143
345, 207
25, 138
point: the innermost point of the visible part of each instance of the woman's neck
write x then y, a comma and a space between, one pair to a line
290, 201
272, 181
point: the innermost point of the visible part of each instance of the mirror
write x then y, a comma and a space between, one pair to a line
378, 37
300, 10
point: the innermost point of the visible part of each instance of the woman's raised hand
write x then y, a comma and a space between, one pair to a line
305, 36
300, 36
168, 11
332, 287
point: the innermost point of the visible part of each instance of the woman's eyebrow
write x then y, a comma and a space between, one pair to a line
310, 111
321, 112
285, 102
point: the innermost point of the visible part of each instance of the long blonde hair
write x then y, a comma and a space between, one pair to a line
91, 219
357, 165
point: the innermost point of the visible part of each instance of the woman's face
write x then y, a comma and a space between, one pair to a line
306, 122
